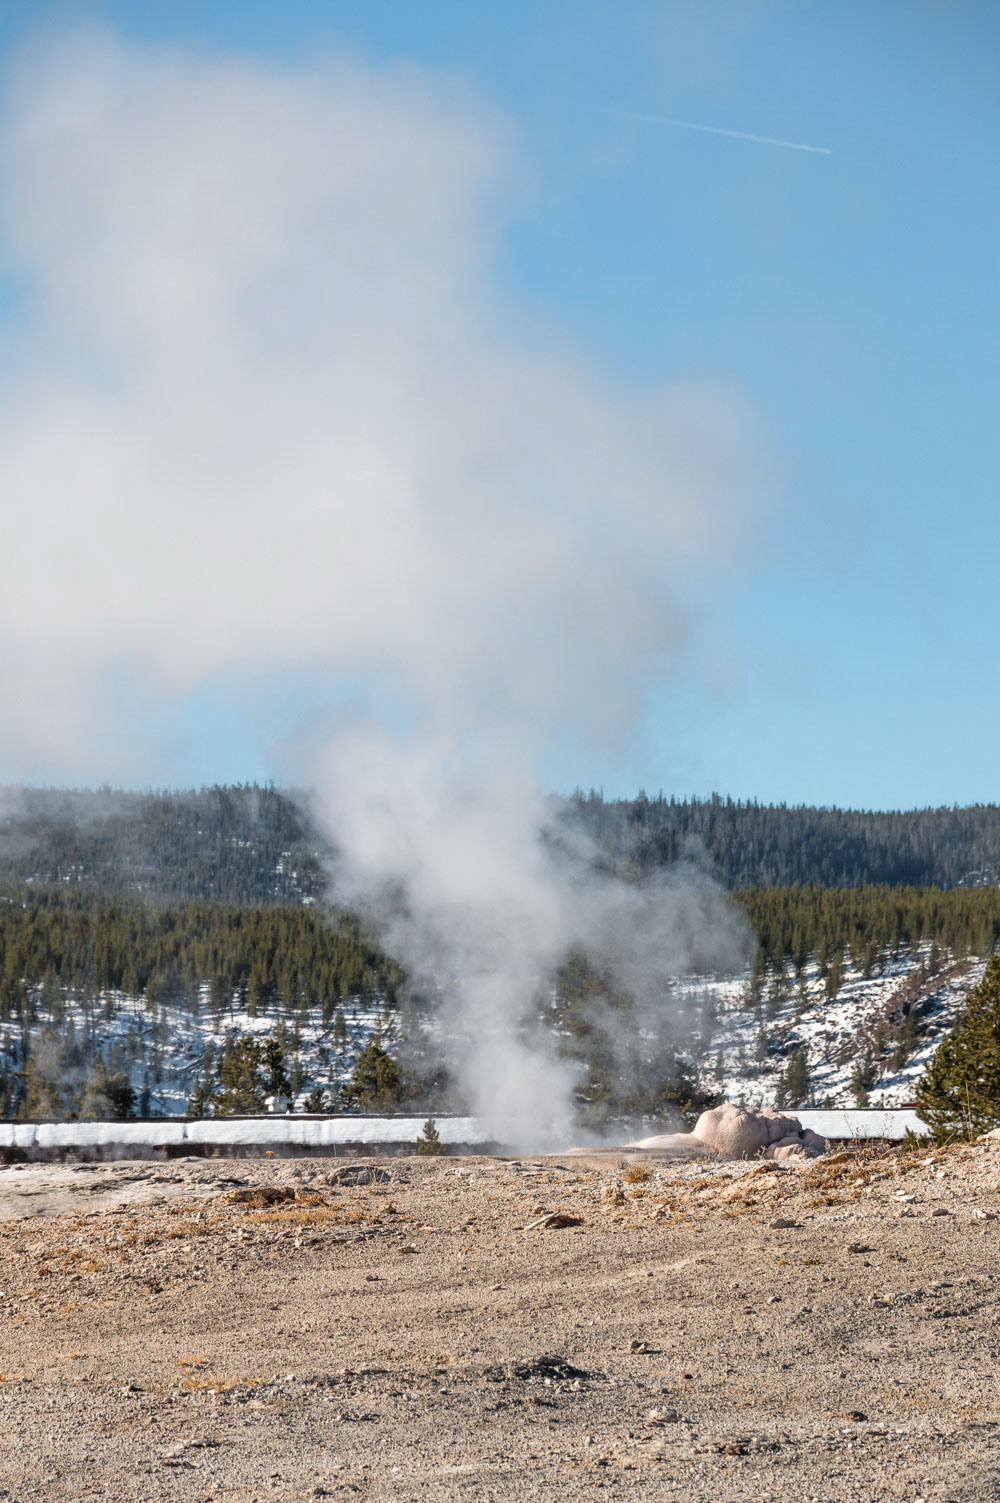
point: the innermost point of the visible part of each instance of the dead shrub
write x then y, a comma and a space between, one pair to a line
314, 1216
195, 1378
188, 1229
261, 1195
637, 1174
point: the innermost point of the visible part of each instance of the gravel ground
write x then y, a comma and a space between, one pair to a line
392, 1329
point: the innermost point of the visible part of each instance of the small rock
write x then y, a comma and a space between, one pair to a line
663, 1417
782, 1224
940, 1211
555, 1221
859, 1247
980, 1215
639, 1346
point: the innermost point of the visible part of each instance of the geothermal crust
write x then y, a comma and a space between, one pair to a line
458, 1329
740, 1132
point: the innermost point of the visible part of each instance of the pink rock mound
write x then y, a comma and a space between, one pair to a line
741, 1132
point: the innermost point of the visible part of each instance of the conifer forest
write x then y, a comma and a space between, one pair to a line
183, 952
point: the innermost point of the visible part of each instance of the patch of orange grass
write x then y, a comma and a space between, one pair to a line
186, 1229
313, 1216
195, 1378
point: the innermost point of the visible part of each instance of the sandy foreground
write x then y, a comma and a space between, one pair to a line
397, 1329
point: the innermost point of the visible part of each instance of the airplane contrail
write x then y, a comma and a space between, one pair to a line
717, 130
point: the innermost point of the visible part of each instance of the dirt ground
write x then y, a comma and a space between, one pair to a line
270, 1329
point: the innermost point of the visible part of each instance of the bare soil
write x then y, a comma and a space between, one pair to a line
269, 1329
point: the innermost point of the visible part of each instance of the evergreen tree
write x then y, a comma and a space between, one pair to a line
243, 1079
42, 1095
796, 1077
107, 1094
959, 1092
199, 1099
376, 1083
429, 1141
863, 1078
273, 1060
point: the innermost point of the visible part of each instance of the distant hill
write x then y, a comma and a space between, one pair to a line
244, 845
775, 845
253, 845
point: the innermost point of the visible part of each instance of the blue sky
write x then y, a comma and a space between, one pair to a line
852, 656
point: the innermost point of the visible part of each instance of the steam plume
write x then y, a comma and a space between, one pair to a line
265, 413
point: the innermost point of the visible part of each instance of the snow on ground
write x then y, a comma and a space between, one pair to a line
751, 1046
165, 1045
743, 1056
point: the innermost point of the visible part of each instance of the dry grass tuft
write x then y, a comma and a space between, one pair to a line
195, 1378
637, 1174
262, 1195
314, 1216
185, 1229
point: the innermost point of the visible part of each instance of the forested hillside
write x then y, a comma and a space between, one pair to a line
111, 1004
241, 844
773, 845
166, 951
256, 845
102, 999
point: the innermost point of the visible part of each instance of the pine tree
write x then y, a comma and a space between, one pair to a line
243, 1079
198, 1100
107, 1095
429, 1141
863, 1078
376, 1083
959, 1092
797, 1075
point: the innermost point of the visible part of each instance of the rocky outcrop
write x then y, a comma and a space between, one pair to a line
741, 1132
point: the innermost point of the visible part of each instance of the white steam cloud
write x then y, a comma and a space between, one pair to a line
264, 412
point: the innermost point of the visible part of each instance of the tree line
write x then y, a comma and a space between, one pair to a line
257, 845
255, 958
865, 925
243, 844
295, 965
748, 844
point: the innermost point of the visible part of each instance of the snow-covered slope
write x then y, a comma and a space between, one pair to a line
864, 1025
744, 1057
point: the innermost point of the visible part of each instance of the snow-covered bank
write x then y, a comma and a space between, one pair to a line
175, 1137
298, 1134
